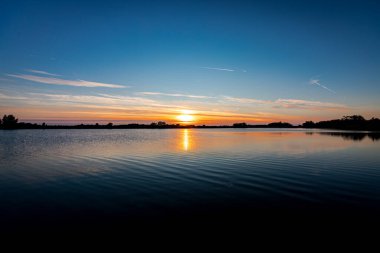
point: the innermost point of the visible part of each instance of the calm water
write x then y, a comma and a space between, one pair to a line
97, 177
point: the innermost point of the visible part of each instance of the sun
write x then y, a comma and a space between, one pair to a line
185, 116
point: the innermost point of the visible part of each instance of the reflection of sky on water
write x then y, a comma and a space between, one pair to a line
140, 169
41, 145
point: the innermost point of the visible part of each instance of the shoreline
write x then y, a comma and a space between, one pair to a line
350, 123
85, 127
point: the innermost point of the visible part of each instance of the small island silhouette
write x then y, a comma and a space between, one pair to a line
354, 123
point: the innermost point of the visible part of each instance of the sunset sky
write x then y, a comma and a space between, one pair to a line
220, 62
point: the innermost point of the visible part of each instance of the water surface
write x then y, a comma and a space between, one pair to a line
97, 177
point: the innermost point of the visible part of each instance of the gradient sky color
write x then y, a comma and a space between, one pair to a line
221, 61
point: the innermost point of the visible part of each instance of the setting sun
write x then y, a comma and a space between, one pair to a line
185, 118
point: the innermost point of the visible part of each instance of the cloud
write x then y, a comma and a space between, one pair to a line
221, 110
99, 99
316, 82
9, 97
307, 104
287, 103
220, 69
171, 94
117, 103
246, 100
41, 72
225, 69
59, 81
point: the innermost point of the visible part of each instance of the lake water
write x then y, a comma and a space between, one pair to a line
53, 178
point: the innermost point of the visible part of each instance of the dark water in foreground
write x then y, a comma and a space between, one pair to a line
96, 178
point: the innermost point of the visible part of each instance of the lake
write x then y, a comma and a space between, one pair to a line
95, 178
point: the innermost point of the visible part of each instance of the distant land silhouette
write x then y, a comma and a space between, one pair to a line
354, 122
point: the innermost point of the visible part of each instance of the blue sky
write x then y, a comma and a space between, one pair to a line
223, 61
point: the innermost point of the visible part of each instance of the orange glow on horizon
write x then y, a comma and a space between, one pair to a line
186, 116
146, 116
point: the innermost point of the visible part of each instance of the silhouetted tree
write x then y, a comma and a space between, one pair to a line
9, 121
243, 124
161, 123
373, 124
354, 122
280, 124
308, 124
354, 118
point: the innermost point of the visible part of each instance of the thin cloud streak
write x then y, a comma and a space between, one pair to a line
316, 82
171, 94
219, 110
90, 99
246, 100
220, 69
59, 81
308, 104
287, 103
225, 69
8, 97
41, 72
110, 104
102, 101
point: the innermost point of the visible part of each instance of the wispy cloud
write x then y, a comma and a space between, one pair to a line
317, 82
220, 110
122, 106
41, 72
98, 99
246, 100
220, 69
171, 94
10, 97
225, 69
307, 104
59, 81
5, 79
287, 103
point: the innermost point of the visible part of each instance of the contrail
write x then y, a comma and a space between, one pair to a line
221, 69
225, 69
316, 82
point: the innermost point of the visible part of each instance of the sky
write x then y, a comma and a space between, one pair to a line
69, 62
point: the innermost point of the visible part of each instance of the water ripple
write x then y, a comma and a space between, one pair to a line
126, 171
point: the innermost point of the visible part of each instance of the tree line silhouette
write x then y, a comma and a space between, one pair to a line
9, 122
354, 122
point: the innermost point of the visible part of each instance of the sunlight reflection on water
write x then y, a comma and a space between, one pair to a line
186, 139
142, 171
